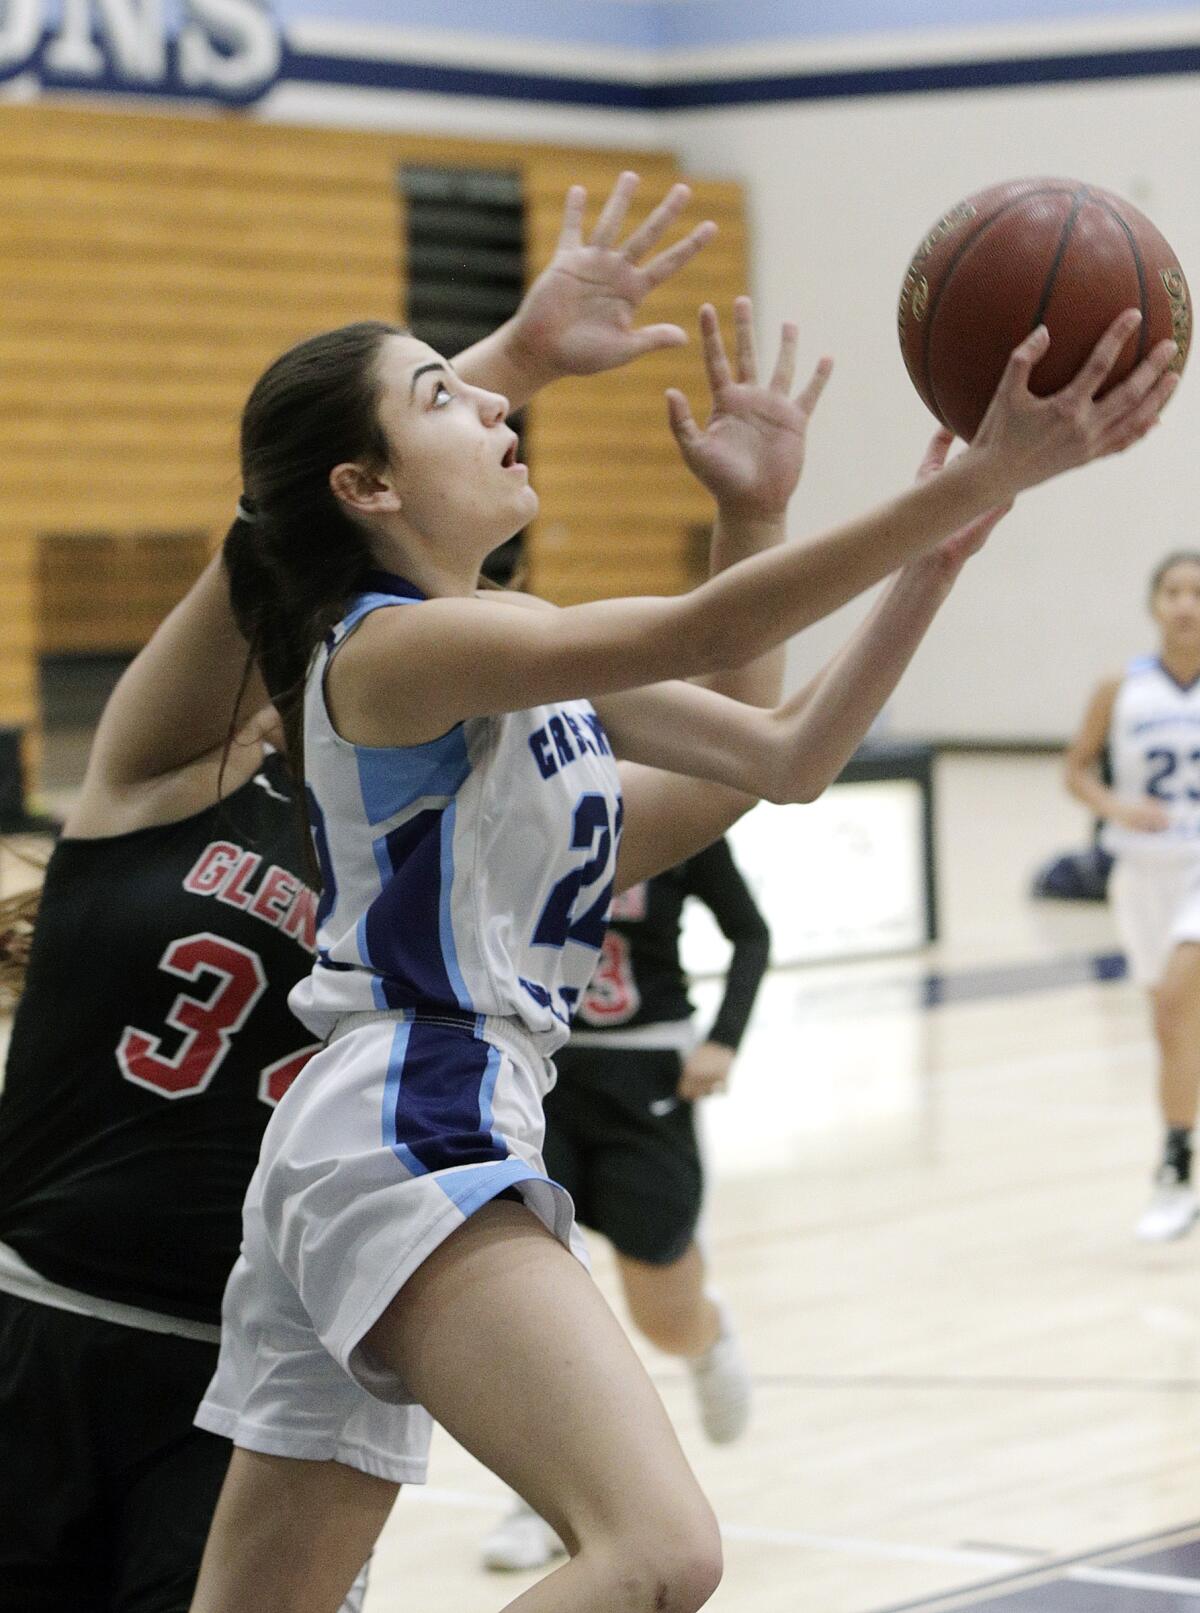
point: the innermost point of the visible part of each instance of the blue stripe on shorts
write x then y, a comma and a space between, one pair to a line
438, 1097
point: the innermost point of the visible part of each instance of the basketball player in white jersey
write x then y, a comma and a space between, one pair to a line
127, 1142
1148, 720
401, 1242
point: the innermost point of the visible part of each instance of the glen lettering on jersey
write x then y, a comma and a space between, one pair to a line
565, 738
228, 872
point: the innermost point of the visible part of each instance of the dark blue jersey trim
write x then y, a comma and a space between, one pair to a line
1184, 688
387, 582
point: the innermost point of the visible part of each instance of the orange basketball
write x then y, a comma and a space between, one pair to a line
1029, 252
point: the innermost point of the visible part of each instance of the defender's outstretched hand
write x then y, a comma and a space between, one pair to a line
751, 452
578, 316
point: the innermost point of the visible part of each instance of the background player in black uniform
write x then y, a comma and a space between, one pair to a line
621, 1136
153, 1037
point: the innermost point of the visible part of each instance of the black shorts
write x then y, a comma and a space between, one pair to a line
624, 1146
106, 1488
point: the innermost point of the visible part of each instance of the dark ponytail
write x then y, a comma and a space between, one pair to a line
294, 558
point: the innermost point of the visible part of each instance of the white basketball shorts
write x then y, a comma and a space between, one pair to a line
1157, 906
387, 1141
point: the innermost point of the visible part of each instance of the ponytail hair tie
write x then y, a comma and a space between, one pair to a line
247, 510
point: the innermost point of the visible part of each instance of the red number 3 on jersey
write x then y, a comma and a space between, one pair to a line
612, 994
207, 1024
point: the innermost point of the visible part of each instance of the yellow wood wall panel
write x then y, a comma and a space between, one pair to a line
224, 242
86, 195
30, 387
230, 145
65, 355
117, 283
52, 510
572, 587
40, 431
151, 265
18, 662
106, 592
217, 328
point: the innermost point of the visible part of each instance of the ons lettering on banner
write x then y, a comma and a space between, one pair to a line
229, 50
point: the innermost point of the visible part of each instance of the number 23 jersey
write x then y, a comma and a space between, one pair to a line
1154, 754
467, 876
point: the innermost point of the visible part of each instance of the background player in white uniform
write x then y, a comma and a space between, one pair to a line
1148, 720
365, 453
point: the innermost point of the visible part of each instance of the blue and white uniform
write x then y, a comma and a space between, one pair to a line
471, 874
1154, 754
466, 884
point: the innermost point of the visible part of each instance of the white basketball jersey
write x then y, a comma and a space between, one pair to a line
470, 875
1154, 752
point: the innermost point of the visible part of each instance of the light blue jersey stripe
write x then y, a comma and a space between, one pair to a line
474, 1185
378, 995
390, 780
391, 1100
487, 1093
446, 912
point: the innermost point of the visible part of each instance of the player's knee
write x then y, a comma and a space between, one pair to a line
696, 1566
676, 1562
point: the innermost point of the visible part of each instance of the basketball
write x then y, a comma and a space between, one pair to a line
1033, 251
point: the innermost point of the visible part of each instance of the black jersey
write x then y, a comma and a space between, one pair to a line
151, 1041
639, 979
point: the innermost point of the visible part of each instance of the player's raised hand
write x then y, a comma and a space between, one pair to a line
952, 554
1027, 439
751, 452
578, 316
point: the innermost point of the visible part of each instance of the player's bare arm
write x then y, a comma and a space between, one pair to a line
1081, 768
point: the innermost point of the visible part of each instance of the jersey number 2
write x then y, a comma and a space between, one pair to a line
206, 1024
558, 923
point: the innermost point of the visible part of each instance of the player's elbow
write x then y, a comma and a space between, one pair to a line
793, 770
803, 791
1075, 777
794, 782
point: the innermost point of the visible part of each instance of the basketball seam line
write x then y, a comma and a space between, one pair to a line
1064, 240
948, 273
1143, 290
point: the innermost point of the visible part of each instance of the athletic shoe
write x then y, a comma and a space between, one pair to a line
521, 1540
1172, 1209
721, 1380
